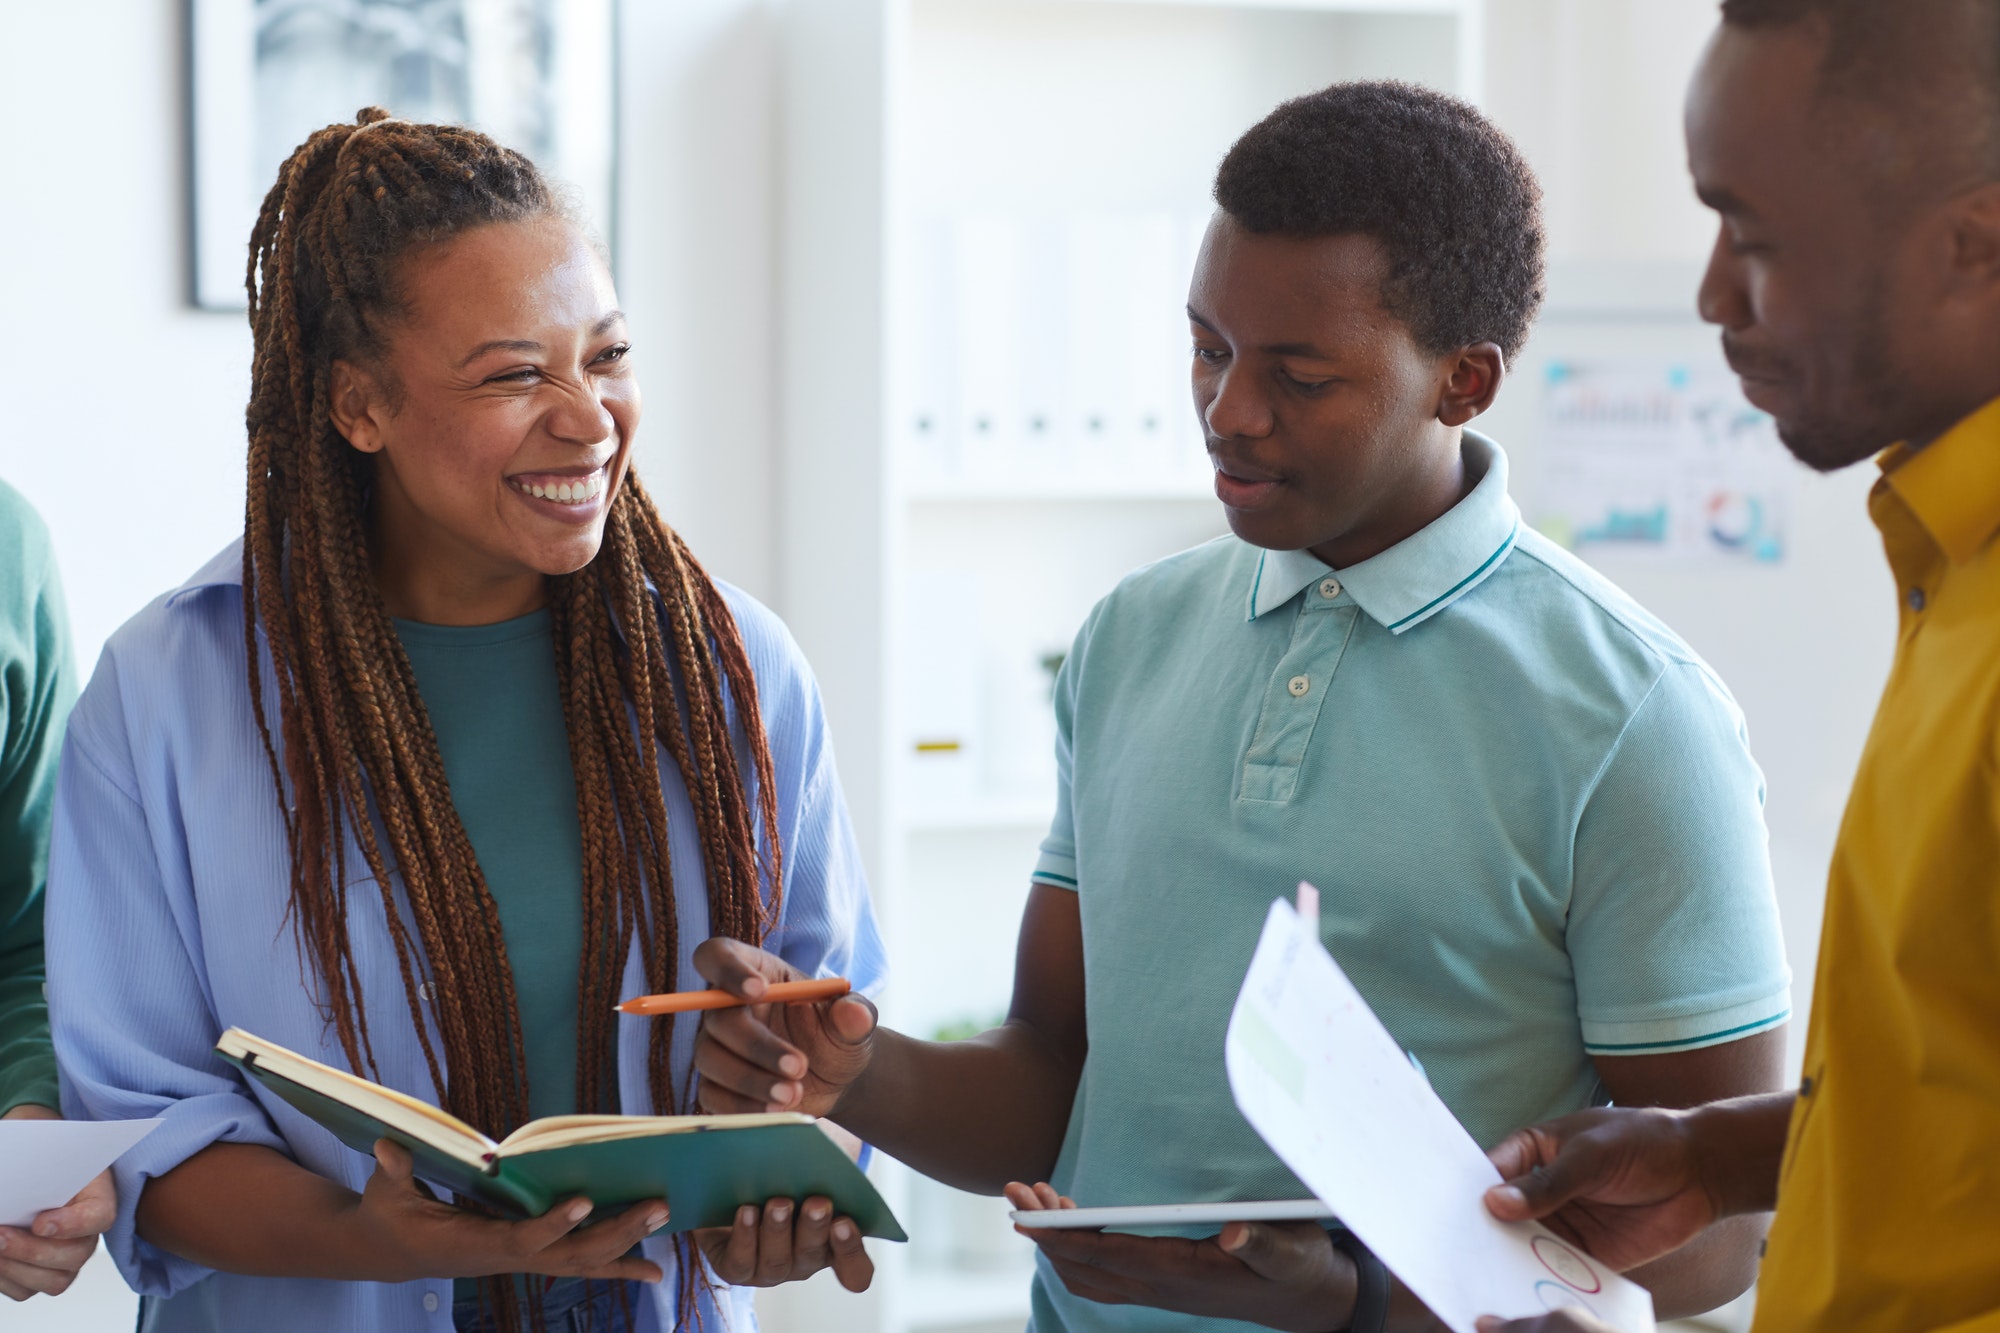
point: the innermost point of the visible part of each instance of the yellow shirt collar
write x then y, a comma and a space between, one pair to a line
1953, 486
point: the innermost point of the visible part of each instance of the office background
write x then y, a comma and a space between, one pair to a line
796, 180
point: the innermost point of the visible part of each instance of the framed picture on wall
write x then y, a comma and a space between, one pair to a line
538, 75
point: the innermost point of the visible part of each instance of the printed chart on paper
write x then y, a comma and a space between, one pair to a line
1318, 1076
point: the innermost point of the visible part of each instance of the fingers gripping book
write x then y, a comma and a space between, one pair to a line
705, 1166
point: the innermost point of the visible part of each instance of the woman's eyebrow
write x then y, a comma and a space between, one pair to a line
529, 344
500, 345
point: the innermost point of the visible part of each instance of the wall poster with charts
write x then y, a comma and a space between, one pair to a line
1662, 460
538, 75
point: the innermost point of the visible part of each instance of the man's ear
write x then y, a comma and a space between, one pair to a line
357, 406
1474, 382
1975, 236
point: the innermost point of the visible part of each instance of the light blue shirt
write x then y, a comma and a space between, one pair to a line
167, 923
1530, 810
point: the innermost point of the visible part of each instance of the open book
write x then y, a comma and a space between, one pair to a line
705, 1166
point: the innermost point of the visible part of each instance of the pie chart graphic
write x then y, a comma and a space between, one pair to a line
1555, 1296
1569, 1267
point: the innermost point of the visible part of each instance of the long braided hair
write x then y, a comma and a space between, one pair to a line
647, 651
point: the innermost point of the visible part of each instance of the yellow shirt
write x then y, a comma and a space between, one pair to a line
1889, 1199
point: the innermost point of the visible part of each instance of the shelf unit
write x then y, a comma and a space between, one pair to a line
896, 114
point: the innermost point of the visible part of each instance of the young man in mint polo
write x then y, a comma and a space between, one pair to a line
1529, 807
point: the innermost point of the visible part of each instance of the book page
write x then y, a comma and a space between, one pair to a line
43, 1163
398, 1110
563, 1131
1318, 1076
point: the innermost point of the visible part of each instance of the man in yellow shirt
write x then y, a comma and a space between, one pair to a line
1852, 151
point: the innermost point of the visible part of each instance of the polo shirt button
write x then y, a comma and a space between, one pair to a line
1329, 588
1916, 599
1299, 685
430, 1302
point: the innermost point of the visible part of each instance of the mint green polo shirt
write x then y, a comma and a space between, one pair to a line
1530, 810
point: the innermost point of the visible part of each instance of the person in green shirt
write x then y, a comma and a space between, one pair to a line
37, 684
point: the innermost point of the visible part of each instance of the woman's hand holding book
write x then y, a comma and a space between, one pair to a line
782, 1243
417, 1235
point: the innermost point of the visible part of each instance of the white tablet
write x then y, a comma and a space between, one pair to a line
1178, 1214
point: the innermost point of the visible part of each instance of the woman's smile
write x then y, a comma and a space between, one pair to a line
573, 496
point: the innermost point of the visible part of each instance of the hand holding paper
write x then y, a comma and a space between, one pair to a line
1316, 1074
56, 1195
1626, 1183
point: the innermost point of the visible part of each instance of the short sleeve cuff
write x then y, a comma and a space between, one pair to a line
31, 1081
1056, 866
1688, 1032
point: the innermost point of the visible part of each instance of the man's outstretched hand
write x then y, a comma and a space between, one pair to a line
1630, 1184
775, 1057
1624, 1183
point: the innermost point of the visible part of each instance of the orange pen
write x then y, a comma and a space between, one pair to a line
777, 992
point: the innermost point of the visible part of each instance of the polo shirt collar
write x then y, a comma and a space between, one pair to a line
1426, 571
1953, 484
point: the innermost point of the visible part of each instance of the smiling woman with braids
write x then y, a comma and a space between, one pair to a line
458, 747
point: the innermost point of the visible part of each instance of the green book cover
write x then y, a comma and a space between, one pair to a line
705, 1167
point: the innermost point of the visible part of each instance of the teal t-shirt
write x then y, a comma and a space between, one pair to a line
495, 703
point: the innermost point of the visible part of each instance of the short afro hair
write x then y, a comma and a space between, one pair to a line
1934, 65
1449, 197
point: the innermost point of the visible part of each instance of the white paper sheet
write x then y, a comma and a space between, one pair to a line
1318, 1076
43, 1163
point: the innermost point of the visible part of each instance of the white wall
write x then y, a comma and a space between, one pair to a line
1591, 90
124, 408
697, 258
